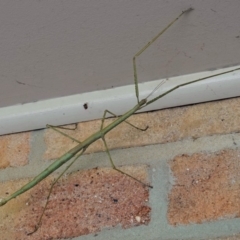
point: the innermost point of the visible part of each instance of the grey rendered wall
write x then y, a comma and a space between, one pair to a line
57, 48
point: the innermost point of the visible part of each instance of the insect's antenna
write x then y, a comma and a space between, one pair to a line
156, 88
146, 46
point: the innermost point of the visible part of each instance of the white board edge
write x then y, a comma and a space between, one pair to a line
70, 109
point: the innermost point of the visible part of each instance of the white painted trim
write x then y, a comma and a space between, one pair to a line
66, 110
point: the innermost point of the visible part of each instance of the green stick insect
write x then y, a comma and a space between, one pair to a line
78, 150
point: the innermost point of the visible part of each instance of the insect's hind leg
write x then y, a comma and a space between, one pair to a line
50, 191
107, 111
56, 128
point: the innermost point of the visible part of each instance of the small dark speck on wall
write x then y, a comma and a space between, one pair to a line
85, 105
21, 83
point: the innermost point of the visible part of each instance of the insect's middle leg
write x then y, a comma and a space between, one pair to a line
107, 111
115, 168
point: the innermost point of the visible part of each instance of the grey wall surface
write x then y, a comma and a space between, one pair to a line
58, 48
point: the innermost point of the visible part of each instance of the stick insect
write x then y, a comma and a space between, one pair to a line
78, 150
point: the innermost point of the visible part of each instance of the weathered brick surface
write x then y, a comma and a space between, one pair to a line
207, 187
14, 150
83, 203
167, 125
206, 184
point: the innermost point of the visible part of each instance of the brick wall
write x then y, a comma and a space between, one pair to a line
190, 155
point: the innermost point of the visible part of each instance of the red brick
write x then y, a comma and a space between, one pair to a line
83, 203
207, 187
14, 150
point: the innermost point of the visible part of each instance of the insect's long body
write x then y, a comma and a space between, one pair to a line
82, 146
71, 153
